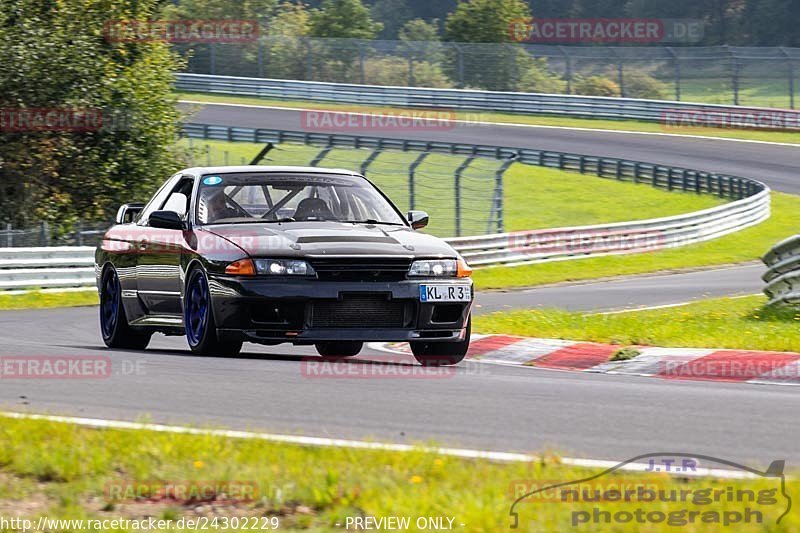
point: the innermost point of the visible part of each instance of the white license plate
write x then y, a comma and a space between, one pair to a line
444, 293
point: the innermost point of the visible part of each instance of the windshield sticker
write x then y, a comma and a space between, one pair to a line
212, 180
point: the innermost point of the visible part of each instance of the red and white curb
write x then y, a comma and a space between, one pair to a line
740, 366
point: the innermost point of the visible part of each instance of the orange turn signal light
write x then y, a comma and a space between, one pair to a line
463, 270
242, 267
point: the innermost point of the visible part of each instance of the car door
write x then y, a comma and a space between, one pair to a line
160, 250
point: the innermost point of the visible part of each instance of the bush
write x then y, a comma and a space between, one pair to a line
640, 85
538, 79
394, 71
596, 86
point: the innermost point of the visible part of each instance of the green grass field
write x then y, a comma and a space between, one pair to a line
736, 323
42, 300
63, 471
742, 246
698, 94
534, 197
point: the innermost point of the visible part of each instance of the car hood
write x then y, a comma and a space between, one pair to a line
310, 239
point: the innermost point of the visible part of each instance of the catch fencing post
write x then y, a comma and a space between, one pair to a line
212, 58
498, 193
45, 237
567, 68
9, 235
790, 74
460, 52
412, 173
460, 170
677, 68
368, 161
321, 155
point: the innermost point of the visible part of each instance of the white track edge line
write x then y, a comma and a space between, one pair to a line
463, 453
511, 124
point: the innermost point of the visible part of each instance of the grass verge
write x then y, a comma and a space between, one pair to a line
68, 472
42, 300
509, 118
739, 247
736, 323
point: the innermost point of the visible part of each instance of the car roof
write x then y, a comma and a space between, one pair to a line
199, 171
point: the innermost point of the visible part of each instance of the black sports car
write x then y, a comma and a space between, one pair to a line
270, 255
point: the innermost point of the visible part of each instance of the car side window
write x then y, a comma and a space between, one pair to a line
178, 200
158, 200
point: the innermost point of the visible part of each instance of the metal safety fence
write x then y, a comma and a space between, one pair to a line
755, 76
672, 115
783, 272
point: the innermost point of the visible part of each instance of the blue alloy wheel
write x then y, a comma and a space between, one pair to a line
197, 308
109, 303
114, 327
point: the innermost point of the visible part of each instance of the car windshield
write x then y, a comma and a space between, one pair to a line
272, 197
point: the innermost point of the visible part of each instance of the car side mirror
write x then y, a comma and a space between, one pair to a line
418, 219
127, 213
166, 220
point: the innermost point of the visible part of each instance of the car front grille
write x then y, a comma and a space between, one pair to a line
361, 269
362, 311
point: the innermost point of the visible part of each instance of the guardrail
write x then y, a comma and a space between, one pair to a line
783, 272
659, 176
53, 267
524, 247
676, 114
73, 266
61, 267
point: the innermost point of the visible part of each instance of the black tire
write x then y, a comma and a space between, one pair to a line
114, 327
198, 319
339, 349
442, 353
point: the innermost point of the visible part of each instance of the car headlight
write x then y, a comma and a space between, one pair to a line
434, 268
284, 267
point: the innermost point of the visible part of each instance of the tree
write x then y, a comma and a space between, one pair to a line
496, 67
261, 10
484, 21
344, 19
53, 54
393, 14
420, 30
284, 45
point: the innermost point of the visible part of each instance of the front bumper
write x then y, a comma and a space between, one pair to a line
305, 311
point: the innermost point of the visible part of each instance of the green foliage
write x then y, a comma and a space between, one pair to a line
395, 71
538, 79
285, 49
221, 9
596, 86
484, 21
420, 30
393, 14
344, 19
625, 354
55, 55
640, 85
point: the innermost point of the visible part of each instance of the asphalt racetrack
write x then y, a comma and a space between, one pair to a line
475, 405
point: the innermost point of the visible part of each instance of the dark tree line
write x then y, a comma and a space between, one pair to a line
733, 22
